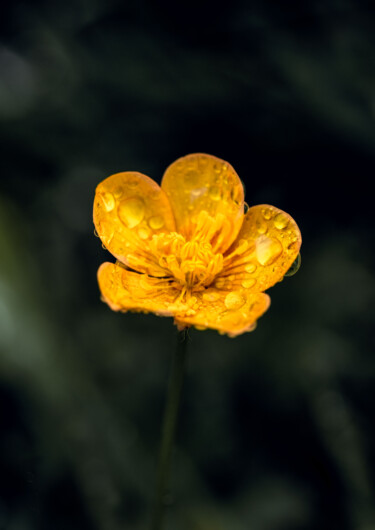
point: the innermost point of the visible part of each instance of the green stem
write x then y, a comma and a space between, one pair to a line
169, 428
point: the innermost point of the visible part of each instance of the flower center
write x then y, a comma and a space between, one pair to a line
193, 264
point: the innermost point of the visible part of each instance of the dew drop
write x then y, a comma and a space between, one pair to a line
143, 232
294, 267
231, 278
156, 222
293, 246
267, 214
281, 221
267, 250
261, 227
250, 268
131, 211
108, 201
214, 193
246, 284
217, 168
234, 300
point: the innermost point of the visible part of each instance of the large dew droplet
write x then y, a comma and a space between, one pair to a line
267, 250
281, 221
108, 201
131, 211
234, 300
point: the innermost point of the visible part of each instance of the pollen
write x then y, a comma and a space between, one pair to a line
193, 265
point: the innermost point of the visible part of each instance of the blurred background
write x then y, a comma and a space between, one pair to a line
277, 426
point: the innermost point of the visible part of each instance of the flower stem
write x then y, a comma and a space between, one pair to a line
169, 428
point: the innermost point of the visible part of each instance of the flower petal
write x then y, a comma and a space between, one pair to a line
207, 195
128, 209
266, 247
232, 313
124, 290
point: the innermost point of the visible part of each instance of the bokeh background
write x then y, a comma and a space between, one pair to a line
277, 426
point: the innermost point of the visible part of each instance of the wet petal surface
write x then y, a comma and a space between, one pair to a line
128, 209
266, 247
207, 199
124, 290
232, 313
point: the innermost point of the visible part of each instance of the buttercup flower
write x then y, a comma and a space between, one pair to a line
187, 249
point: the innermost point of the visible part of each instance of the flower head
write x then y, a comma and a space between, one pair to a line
187, 249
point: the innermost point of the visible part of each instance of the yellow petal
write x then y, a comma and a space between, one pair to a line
128, 209
207, 195
232, 313
267, 245
124, 290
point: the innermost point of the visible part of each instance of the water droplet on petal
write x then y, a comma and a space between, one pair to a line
246, 284
234, 300
293, 245
143, 232
268, 249
214, 193
156, 222
250, 268
281, 221
131, 211
261, 226
267, 213
108, 201
294, 267
133, 183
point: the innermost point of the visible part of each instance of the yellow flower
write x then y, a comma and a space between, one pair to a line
187, 250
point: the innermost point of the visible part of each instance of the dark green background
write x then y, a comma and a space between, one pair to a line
277, 426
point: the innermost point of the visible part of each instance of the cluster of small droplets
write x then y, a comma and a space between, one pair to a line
132, 211
243, 265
